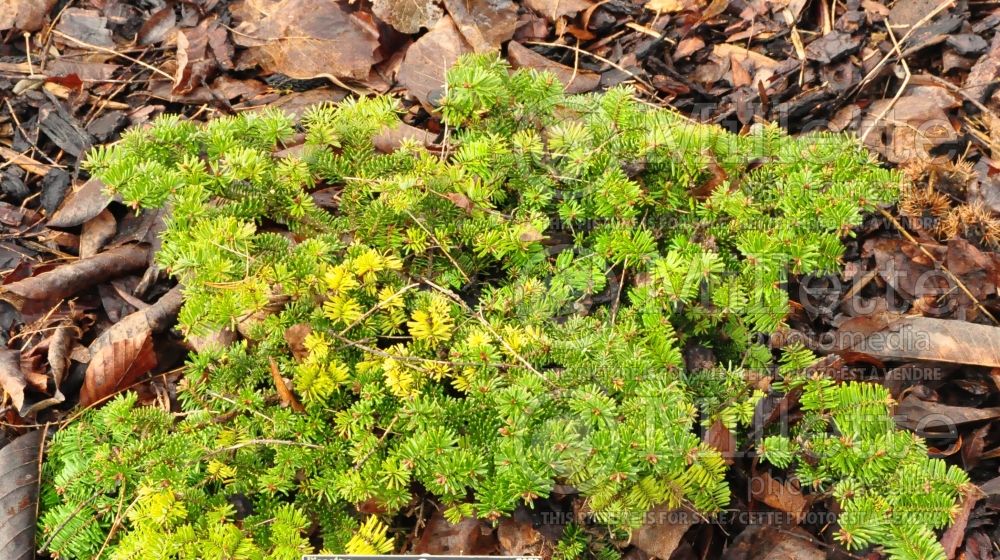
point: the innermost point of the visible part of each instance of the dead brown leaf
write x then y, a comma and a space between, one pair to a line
87, 26
201, 53
519, 537
408, 16
390, 139
284, 391
68, 279
295, 337
468, 537
305, 38
428, 59
555, 9
720, 438
485, 24
83, 203
12, 378
124, 352
96, 232
25, 15
662, 531
953, 537
17, 384
928, 339
771, 542
157, 27
575, 81
782, 496
909, 128
919, 415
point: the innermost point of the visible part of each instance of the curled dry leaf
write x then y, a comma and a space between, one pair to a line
96, 232
284, 392
423, 69
201, 53
408, 16
124, 352
574, 80
68, 279
305, 38
11, 378
19, 496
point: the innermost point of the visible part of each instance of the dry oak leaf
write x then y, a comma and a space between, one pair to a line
26, 15
124, 352
408, 16
427, 60
305, 39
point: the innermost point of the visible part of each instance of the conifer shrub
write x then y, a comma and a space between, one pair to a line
469, 323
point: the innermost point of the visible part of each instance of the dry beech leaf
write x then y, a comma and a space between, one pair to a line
408, 16
124, 352
305, 38
68, 279
295, 337
423, 69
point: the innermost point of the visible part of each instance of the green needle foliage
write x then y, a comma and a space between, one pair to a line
890, 492
471, 323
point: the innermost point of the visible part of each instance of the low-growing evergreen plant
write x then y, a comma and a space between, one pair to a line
470, 323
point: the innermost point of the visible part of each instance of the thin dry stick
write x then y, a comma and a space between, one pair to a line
895, 223
614, 65
902, 86
114, 52
377, 307
385, 434
923, 21
440, 246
